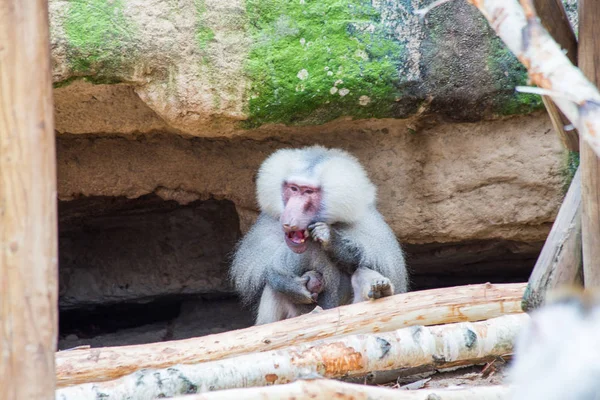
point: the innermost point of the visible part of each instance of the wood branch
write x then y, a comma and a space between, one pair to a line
560, 261
548, 66
568, 137
28, 227
554, 18
589, 52
429, 307
331, 389
352, 355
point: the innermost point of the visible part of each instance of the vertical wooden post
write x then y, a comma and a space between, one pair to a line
28, 238
589, 63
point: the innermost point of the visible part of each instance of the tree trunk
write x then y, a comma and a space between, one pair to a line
589, 62
28, 231
559, 262
355, 355
331, 389
429, 307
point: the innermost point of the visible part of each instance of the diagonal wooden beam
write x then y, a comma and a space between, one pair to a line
560, 261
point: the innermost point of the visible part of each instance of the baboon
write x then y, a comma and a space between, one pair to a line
318, 214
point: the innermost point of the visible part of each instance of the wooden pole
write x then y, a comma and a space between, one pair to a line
554, 18
589, 63
28, 239
559, 263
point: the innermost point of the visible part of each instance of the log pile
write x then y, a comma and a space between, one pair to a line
472, 325
430, 307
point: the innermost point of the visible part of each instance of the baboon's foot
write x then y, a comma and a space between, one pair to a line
380, 287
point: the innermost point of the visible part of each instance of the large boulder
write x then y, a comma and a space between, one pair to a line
216, 68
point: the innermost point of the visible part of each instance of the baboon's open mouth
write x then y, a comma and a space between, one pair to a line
297, 237
297, 240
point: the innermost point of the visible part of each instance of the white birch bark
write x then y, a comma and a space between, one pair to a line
427, 307
355, 355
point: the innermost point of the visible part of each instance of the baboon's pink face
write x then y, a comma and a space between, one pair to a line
302, 204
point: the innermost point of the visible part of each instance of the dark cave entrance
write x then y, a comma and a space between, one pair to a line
146, 269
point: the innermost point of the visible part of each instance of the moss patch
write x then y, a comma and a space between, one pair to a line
100, 39
203, 33
508, 72
571, 165
315, 60
66, 82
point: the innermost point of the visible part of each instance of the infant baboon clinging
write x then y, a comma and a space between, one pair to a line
318, 214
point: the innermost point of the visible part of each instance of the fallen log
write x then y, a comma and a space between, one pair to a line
327, 388
560, 261
354, 355
428, 307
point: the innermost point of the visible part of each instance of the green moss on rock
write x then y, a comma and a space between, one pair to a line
100, 39
508, 72
203, 33
570, 168
315, 60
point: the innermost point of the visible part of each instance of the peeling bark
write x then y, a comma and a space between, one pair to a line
353, 355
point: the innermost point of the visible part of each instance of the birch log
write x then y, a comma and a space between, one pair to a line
549, 68
428, 307
458, 344
331, 389
560, 261
28, 229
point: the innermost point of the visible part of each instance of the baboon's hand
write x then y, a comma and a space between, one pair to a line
301, 294
320, 232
